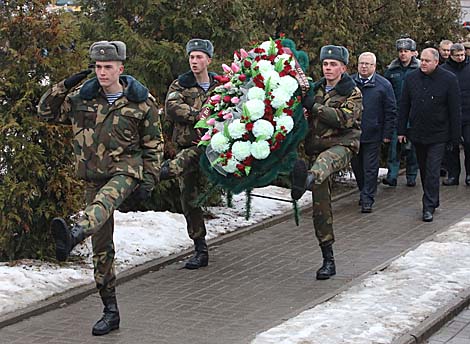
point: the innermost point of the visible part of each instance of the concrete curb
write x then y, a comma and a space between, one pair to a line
436, 321
79, 293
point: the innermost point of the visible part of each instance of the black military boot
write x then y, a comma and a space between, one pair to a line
201, 256
301, 180
110, 320
328, 268
65, 239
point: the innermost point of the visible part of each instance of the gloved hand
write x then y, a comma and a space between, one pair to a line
75, 79
142, 193
307, 102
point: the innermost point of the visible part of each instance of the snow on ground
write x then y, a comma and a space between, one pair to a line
139, 237
389, 303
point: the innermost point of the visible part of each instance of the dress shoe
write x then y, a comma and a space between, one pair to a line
427, 216
467, 180
450, 181
389, 182
411, 183
366, 208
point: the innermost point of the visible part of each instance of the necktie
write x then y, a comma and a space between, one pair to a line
364, 81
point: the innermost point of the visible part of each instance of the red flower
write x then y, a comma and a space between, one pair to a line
288, 112
222, 79
242, 77
249, 126
259, 81
220, 114
227, 99
280, 137
248, 161
259, 50
291, 102
214, 131
241, 167
246, 64
229, 155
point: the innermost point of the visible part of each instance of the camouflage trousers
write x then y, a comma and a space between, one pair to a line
324, 165
185, 166
97, 220
186, 161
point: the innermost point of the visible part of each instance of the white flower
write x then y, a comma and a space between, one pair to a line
255, 109
241, 150
231, 165
285, 57
284, 121
236, 129
273, 77
219, 142
260, 150
256, 93
288, 84
265, 66
280, 98
267, 46
263, 128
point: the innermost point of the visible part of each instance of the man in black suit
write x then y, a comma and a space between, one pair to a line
430, 103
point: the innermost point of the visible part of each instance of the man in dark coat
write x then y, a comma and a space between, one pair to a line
430, 103
459, 64
379, 118
396, 73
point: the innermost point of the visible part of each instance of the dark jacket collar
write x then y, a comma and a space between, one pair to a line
397, 63
133, 89
344, 86
458, 65
188, 79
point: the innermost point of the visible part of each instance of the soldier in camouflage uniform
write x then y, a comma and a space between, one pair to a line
334, 115
184, 100
118, 148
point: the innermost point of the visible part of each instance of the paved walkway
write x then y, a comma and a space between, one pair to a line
253, 282
456, 331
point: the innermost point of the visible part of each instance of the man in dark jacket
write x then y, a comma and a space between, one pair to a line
430, 103
378, 123
396, 74
334, 115
459, 64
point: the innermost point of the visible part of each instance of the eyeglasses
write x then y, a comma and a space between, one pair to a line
366, 64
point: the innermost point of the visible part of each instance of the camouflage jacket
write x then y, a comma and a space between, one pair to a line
184, 100
121, 138
336, 118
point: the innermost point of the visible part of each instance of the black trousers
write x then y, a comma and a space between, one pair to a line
429, 160
453, 157
365, 166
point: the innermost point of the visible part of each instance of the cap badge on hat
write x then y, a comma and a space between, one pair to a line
102, 51
329, 51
